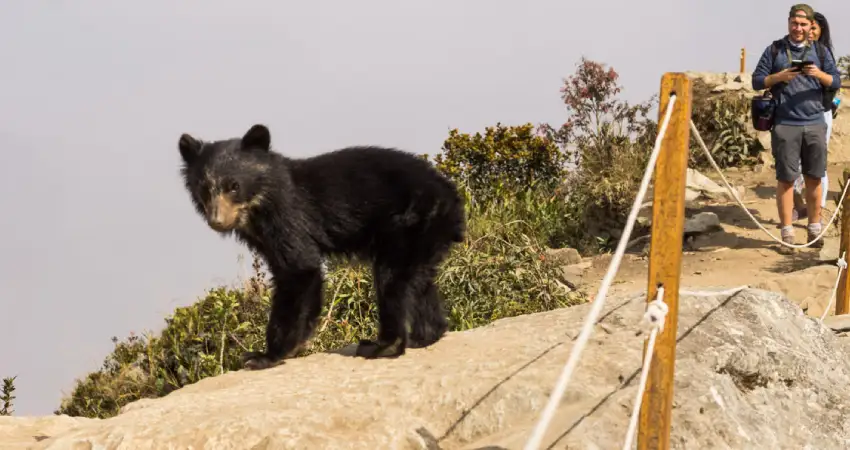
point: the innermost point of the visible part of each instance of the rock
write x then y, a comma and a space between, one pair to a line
564, 256
838, 323
829, 252
23, 432
703, 222
732, 80
691, 194
574, 272
698, 181
714, 241
751, 372
644, 217
810, 288
697, 186
765, 141
733, 86
704, 186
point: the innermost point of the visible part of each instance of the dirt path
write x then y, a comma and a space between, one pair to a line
741, 254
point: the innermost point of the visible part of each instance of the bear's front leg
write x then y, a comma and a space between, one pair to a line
296, 305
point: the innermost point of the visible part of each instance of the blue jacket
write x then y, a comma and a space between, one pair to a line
799, 102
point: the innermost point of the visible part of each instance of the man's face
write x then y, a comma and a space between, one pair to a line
798, 27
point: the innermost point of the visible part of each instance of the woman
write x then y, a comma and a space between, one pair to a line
820, 33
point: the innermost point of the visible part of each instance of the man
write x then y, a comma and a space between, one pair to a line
799, 131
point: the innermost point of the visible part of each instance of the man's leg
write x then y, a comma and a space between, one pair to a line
814, 188
814, 168
784, 203
786, 142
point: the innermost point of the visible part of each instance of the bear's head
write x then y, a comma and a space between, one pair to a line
228, 178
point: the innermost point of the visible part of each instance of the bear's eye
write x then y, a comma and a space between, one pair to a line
232, 186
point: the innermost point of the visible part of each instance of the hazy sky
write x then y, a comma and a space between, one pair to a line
98, 237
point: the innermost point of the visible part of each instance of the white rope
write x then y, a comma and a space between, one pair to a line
842, 265
741, 203
655, 314
599, 302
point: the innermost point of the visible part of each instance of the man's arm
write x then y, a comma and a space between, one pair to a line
762, 78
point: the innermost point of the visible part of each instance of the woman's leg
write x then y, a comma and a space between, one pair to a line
825, 180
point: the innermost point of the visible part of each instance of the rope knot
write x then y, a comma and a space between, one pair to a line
656, 311
842, 264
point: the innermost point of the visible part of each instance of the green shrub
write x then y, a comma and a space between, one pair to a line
505, 159
609, 142
722, 120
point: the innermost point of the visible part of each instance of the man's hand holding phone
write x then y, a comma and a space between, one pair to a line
787, 75
812, 70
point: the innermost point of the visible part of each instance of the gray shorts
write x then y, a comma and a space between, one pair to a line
792, 145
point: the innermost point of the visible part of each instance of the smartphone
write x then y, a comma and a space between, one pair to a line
799, 64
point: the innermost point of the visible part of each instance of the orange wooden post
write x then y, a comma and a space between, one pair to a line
665, 259
842, 298
743, 60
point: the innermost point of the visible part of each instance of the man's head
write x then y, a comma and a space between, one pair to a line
800, 19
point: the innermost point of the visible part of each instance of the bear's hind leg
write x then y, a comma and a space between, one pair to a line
296, 305
395, 288
427, 318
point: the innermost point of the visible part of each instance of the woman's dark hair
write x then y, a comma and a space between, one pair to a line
825, 37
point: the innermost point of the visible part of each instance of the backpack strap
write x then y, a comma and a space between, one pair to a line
821, 54
774, 48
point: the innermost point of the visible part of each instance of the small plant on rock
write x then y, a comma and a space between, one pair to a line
6, 397
844, 66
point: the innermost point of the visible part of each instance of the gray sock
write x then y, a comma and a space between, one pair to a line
788, 231
814, 228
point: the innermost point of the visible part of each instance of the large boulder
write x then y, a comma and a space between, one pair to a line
751, 372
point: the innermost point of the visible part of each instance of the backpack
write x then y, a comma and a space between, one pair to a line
828, 93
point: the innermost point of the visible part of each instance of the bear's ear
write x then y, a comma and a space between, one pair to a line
258, 137
189, 147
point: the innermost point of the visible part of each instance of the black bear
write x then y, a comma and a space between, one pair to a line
380, 204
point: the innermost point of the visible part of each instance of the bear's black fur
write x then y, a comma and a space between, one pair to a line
379, 204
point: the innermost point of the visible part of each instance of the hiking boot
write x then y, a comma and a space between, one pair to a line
811, 235
788, 238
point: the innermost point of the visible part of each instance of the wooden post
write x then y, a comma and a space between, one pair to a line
842, 298
665, 259
743, 60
